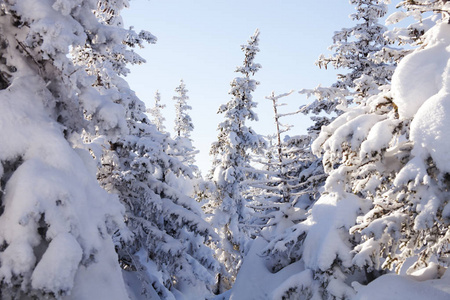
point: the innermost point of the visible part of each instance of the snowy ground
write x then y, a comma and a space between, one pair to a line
256, 282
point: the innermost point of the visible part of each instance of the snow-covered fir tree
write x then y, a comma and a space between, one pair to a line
410, 220
183, 128
285, 159
183, 122
354, 49
386, 153
329, 260
231, 165
165, 252
56, 222
356, 156
387, 185
293, 176
156, 113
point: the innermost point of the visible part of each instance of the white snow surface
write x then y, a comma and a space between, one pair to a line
255, 282
391, 286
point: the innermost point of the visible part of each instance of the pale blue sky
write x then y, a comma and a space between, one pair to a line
199, 42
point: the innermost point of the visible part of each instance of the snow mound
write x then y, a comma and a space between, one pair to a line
255, 282
388, 287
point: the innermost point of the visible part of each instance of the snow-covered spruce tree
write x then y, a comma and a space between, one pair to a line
183, 122
231, 165
362, 149
281, 184
411, 219
354, 50
166, 250
328, 260
394, 156
106, 56
387, 163
292, 178
419, 10
155, 112
270, 191
55, 222
183, 128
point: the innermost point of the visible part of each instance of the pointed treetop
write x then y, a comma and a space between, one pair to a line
158, 118
250, 49
183, 122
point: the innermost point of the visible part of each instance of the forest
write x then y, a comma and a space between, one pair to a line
99, 201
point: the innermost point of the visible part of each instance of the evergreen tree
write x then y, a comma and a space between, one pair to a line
56, 222
281, 184
166, 250
163, 249
290, 185
183, 128
356, 149
410, 220
328, 260
158, 118
183, 122
387, 173
231, 165
355, 49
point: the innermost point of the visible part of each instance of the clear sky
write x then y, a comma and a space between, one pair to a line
199, 42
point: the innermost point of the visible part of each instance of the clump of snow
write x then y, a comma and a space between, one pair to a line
418, 76
377, 138
430, 127
396, 17
100, 280
329, 130
332, 216
414, 172
56, 270
302, 280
